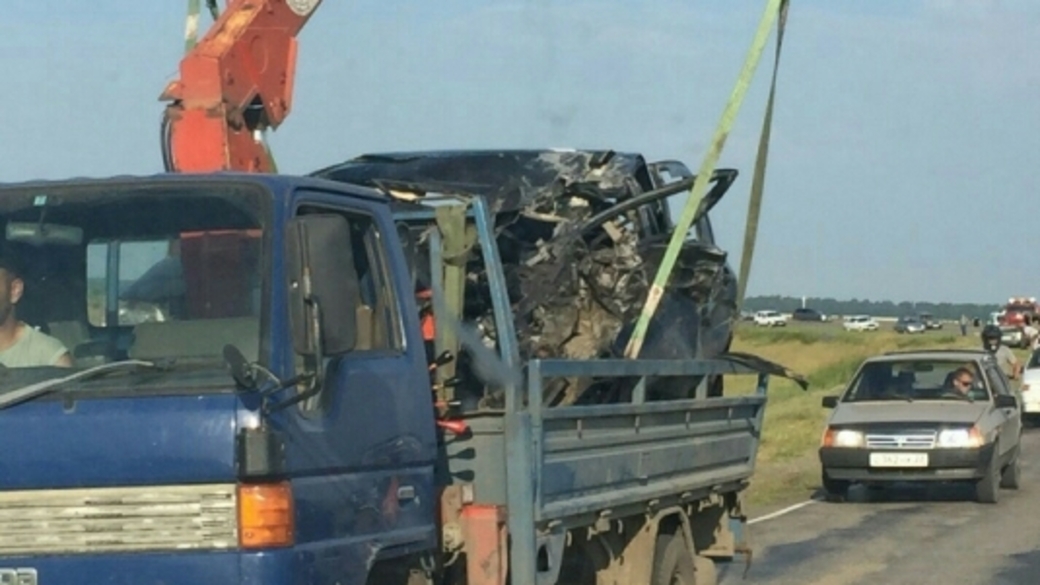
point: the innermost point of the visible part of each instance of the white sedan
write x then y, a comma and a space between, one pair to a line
860, 323
1030, 386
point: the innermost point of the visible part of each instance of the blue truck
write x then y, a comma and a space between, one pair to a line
254, 401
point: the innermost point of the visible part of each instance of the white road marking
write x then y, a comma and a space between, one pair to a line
779, 513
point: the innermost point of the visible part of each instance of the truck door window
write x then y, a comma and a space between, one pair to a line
378, 317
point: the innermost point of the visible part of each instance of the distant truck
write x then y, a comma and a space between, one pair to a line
1020, 311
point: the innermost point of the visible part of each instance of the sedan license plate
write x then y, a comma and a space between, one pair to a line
899, 460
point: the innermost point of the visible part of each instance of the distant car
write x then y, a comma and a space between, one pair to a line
929, 321
909, 325
1030, 386
903, 418
860, 323
770, 319
807, 314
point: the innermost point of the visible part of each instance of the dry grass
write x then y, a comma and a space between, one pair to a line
828, 357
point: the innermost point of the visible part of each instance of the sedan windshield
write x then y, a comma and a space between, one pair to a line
917, 380
152, 270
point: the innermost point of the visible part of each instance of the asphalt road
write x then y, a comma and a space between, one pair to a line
911, 535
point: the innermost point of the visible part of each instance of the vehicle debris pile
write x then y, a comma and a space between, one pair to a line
580, 235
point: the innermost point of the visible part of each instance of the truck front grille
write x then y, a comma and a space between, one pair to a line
121, 519
908, 440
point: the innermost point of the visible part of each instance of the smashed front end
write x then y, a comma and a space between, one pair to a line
580, 236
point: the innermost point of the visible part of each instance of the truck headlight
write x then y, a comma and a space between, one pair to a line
959, 438
843, 438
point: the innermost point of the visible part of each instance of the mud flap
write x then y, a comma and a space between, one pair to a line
738, 526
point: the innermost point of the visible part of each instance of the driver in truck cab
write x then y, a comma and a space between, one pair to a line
22, 346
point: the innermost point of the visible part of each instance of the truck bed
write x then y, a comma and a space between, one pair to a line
587, 462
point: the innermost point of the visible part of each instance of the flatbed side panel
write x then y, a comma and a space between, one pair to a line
608, 460
614, 457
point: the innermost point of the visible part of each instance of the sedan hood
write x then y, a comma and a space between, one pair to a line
931, 411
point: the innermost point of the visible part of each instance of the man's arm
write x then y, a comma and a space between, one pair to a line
65, 361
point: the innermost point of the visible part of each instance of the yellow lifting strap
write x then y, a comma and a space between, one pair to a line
776, 10
191, 25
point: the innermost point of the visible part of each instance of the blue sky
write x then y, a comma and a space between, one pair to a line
904, 152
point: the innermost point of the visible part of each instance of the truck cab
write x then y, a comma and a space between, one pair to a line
156, 458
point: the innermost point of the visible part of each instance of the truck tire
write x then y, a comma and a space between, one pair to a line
987, 489
704, 571
673, 564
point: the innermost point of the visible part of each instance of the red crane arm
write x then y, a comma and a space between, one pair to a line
234, 84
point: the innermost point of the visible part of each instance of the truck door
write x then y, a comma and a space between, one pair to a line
364, 447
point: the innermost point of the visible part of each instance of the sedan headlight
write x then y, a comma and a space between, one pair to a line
843, 438
959, 438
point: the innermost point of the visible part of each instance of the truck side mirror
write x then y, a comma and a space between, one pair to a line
830, 401
323, 284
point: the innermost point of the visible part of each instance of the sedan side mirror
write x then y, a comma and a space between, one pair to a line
1005, 401
830, 401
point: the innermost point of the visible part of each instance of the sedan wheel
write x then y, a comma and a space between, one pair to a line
1011, 477
987, 489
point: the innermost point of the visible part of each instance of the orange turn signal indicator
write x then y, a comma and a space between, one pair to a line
265, 515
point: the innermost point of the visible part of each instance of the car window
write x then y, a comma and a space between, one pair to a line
910, 380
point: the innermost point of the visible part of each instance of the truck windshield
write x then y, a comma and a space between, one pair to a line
153, 270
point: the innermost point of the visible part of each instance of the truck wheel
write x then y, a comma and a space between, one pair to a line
987, 489
1011, 477
673, 564
704, 571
